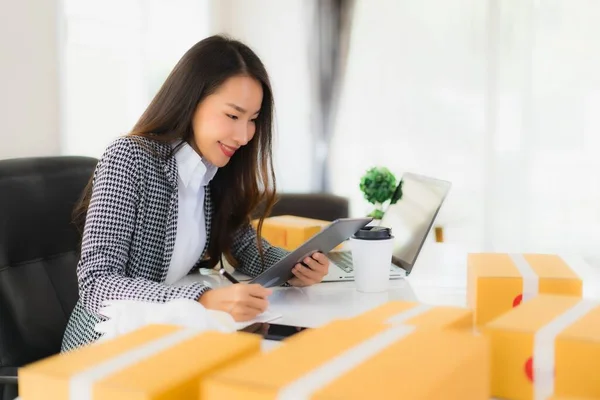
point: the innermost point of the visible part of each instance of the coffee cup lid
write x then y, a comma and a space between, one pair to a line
373, 233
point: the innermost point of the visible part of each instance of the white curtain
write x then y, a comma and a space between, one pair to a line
500, 97
328, 51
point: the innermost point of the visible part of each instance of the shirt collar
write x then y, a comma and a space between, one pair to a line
193, 170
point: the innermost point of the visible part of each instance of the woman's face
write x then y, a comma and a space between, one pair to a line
225, 120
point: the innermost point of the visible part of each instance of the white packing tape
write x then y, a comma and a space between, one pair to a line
81, 384
530, 278
543, 347
586, 272
305, 386
402, 317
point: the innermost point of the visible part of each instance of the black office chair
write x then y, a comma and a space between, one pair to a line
38, 258
324, 206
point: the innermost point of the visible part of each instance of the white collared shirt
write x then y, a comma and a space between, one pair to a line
194, 174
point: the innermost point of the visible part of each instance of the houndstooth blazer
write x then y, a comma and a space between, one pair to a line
130, 231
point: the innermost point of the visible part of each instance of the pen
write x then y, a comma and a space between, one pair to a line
227, 275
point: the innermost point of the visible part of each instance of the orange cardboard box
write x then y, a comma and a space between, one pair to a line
289, 231
417, 314
155, 362
358, 361
499, 282
547, 346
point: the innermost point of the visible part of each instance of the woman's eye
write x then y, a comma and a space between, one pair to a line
253, 120
233, 117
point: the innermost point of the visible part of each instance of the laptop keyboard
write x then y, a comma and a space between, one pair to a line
342, 259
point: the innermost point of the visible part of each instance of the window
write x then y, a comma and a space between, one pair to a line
499, 97
115, 56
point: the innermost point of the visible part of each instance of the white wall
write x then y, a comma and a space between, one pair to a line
29, 93
278, 32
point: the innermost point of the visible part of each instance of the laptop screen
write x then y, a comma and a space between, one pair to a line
413, 215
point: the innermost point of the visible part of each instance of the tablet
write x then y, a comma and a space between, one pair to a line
324, 241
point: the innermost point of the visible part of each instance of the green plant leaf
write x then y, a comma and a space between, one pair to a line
378, 185
376, 214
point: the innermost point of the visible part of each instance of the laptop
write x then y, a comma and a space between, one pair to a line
410, 219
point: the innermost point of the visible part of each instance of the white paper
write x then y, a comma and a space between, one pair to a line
267, 316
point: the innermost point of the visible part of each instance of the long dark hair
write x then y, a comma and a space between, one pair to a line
248, 179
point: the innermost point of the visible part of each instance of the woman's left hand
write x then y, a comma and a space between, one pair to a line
318, 267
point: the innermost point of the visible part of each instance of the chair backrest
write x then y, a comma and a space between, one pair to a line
324, 206
39, 248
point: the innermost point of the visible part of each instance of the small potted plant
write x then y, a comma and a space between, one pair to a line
379, 188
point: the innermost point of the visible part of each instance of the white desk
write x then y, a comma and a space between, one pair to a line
438, 278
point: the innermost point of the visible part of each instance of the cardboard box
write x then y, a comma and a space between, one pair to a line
156, 362
547, 339
340, 361
289, 231
499, 282
417, 314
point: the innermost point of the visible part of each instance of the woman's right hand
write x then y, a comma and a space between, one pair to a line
243, 301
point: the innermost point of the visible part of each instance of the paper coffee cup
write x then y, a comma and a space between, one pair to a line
372, 248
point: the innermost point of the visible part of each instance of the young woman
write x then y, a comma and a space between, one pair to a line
178, 192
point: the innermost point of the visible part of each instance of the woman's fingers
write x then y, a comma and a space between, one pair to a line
305, 274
